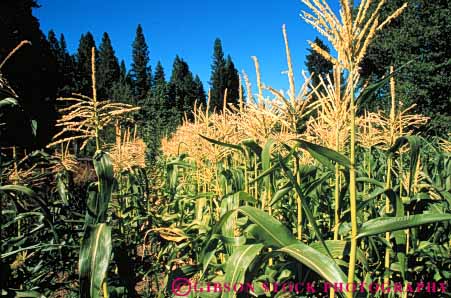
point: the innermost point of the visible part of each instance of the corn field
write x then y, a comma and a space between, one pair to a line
297, 193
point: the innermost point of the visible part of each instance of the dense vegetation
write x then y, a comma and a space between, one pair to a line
118, 183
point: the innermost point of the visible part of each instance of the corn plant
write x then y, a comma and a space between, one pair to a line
287, 196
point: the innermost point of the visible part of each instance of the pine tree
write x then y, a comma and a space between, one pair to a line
224, 76
182, 88
122, 71
159, 88
64, 62
68, 69
217, 80
121, 90
200, 92
83, 64
316, 64
140, 73
54, 43
232, 82
108, 67
158, 116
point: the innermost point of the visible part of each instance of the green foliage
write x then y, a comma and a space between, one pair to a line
421, 33
316, 64
183, 90
140, 72
37, 92
223, 76
83, 64
108, 68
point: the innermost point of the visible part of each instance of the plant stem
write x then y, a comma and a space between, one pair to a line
352, 185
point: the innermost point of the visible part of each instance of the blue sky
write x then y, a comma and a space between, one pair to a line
188, 28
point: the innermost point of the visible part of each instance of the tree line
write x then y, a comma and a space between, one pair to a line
164, 102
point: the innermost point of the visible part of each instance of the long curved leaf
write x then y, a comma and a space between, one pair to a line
390, 224
318, 262
94, 258
237, 265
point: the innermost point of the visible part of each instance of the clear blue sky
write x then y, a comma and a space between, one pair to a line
188, 28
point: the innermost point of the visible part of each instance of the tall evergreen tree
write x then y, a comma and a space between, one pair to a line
68, 69
121, 90
108, 67
160, 88
65, 64
217, 80
122, 71
200, 91
182, 89
54, 43
83, 60
232, 80
158, 113
223, 76
316, 64
140, 72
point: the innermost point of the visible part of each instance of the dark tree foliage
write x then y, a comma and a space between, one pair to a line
423, 33
32, 73
232, 80
217, 80
223, 76
83, 64
182, 91
316, 64
65, 64
158, 113
121, 90
140, 72
108, 68
200, 92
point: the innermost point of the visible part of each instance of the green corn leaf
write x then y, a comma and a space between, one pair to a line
271, 231
280, 194
371, 91
216, 142
324, 155
415, 145
305, 206
252, 144
98, 203
237, 265
318, 262
19, 188
94, 257
390, 224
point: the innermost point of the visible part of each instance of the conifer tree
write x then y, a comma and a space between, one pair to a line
64, 62
53, 43
217, 80
121, 89
182, 88
232, 82
140, 72
200, 91
223, 76
316, 64
108, 67
68, 69
83, 60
